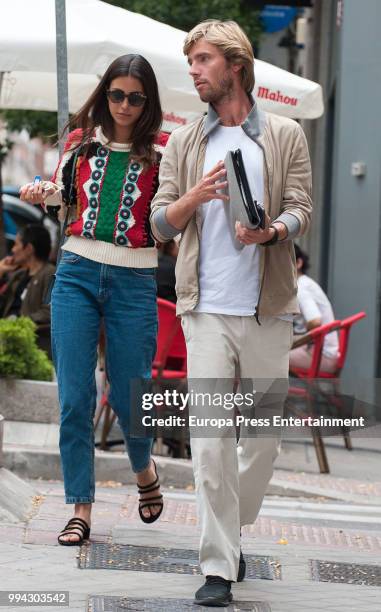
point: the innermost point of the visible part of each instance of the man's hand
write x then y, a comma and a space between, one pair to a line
7, 265
258, 236
208, 188
178, 213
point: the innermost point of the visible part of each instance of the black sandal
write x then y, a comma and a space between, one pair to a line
150, 501
74, 525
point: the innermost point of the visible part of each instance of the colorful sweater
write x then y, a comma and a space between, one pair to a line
110, 201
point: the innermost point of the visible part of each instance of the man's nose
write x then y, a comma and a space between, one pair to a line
193, 70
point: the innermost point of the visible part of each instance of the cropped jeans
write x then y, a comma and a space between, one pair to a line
85, 294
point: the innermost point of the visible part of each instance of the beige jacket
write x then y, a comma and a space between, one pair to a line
287, 189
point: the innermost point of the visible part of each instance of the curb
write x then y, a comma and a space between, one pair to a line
37, 463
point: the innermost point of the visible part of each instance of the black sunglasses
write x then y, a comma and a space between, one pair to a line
135, 98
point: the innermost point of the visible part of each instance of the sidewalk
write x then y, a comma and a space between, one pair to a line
290, 531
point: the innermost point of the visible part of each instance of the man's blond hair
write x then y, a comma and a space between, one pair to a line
231, 41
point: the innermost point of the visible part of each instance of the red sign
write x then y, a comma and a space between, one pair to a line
276, 96
174, 118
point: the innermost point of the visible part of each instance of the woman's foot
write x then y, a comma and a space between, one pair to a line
149, 493
82, 512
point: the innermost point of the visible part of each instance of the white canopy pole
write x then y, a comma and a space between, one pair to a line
62, 73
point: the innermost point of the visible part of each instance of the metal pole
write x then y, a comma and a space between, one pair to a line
1, 82
2, 229
62, 79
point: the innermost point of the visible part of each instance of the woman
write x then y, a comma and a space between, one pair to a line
108, 175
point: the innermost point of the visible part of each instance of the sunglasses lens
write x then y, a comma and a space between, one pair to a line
136, 99
116, 96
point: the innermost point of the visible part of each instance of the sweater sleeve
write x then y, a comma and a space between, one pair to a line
55, 199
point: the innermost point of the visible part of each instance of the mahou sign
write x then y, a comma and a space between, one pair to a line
276, 96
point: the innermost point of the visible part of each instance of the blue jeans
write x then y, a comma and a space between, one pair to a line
84, 294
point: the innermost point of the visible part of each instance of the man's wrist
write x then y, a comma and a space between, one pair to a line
191, 203
282, 229
274, 238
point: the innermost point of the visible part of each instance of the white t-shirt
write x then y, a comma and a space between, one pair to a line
314, 304
229, 278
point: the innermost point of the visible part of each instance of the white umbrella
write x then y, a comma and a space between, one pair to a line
97, 33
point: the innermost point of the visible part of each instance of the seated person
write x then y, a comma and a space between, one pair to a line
165, 275
316, 310
25, 277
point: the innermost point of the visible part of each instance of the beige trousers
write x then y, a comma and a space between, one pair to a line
231, 479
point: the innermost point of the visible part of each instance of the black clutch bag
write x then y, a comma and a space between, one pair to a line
255, 212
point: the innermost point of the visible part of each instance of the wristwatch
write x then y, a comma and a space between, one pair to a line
274, 239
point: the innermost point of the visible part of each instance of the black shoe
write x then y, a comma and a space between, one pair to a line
215, 592
241, 568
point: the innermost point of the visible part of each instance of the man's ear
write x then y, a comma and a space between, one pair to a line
29, 249
237, 67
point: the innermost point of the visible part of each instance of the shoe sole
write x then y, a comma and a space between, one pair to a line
212, 603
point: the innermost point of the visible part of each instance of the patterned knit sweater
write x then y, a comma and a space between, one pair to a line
110, 201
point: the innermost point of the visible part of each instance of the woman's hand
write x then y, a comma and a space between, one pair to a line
35, 193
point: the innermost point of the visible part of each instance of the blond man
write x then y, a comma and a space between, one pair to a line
236, 304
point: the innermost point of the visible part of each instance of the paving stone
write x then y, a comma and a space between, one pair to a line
119, 604
41, 564
167, 560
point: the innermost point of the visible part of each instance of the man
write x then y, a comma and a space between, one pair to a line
25, 276
236, 304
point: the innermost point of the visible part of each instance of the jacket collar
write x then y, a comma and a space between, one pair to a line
252, 126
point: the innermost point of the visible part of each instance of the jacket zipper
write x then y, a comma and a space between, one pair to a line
196, 222
256, 310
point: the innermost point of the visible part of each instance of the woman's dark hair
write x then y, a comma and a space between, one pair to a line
168, 247
96, 110
299, 254
39, 237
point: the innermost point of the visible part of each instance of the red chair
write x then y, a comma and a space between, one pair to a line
171, 355
333, 398
315, 337
170, 365
344, 332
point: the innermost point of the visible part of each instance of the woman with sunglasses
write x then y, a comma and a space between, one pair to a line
107, 177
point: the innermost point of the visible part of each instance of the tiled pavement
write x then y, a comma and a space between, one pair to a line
345, 485
30, 558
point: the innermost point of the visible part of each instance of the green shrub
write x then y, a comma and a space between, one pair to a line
20, 356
